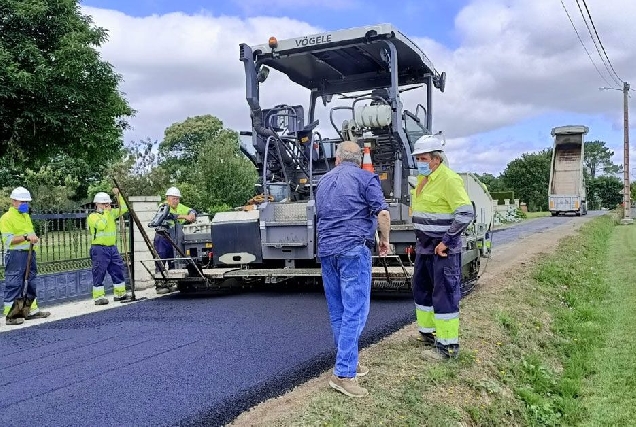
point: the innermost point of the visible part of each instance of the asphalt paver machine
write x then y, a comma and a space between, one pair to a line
273, 238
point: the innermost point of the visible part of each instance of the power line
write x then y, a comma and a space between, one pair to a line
599, 41
589, 30
583, 44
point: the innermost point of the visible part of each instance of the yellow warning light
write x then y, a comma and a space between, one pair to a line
208, 245
303, 180
273, 42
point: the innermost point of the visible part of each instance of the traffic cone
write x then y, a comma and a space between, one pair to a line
366, 158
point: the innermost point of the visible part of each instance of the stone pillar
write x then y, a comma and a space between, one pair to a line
145, 207
517, 203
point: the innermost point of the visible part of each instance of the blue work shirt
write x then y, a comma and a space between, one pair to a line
348, 201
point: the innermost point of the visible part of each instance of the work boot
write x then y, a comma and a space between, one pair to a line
347, 386
121, 298
428, 340
101, 301
38, 315
14, 321
435, 354
162, 290
361, 370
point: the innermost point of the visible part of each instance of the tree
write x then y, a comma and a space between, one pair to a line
205, 161
493, 183
598, 158
137, 171
529, 178
224, 176
183, 142
607, 190
56, 94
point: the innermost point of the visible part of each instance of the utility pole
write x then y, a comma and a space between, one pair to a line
627, 208
627, 202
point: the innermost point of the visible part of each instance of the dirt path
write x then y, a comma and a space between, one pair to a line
502, 267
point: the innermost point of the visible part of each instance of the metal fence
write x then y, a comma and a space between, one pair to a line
65, 240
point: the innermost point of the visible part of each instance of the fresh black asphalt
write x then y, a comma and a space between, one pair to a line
173, 360
182, 360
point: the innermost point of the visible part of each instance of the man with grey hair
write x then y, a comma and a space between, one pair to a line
349, 207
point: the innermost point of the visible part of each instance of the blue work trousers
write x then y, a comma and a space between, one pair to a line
15, 262
106, 259
165, 250
437, 289
346, 279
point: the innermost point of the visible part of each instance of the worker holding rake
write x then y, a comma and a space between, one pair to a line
104, 254
21, 273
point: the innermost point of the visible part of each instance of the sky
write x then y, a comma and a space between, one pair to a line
515, 68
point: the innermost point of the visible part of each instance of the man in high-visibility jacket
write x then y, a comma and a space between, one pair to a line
182, 214
18, 235
104, 254
441, 212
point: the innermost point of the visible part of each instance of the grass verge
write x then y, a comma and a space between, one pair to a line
528, 346
530, 215
610, 393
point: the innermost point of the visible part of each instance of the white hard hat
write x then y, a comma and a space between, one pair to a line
21, 194
173, 191
102, 197
428, 144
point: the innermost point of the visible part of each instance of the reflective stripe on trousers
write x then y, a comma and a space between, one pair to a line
437, 292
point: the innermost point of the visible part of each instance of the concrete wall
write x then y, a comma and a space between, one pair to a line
145, 207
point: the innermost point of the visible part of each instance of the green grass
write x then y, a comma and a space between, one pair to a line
552, 346
531, 215
610, 393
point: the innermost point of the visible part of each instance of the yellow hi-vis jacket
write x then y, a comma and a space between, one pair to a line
14, 223
442, 211
102, 226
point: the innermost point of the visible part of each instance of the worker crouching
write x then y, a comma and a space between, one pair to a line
442, 211
20, 258
104, 254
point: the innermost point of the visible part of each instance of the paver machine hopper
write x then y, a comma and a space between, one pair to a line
273, 239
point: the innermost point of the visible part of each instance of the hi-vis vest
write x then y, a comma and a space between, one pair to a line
180, 210
102, 226
441, 202
14, 223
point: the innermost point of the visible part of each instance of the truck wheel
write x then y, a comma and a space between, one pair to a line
554, 213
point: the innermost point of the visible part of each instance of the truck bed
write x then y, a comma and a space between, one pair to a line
566, 178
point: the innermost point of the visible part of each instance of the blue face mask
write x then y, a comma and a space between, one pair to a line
424, 168
23, 208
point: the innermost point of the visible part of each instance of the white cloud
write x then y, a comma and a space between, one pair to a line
276, 5
517, 59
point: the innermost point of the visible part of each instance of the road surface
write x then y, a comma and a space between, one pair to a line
538, 225
181, 360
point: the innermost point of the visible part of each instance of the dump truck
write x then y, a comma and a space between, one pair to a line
566, 191
272, 239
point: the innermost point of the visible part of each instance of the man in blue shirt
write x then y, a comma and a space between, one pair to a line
349, 207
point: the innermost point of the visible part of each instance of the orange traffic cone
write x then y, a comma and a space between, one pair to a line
366, 158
